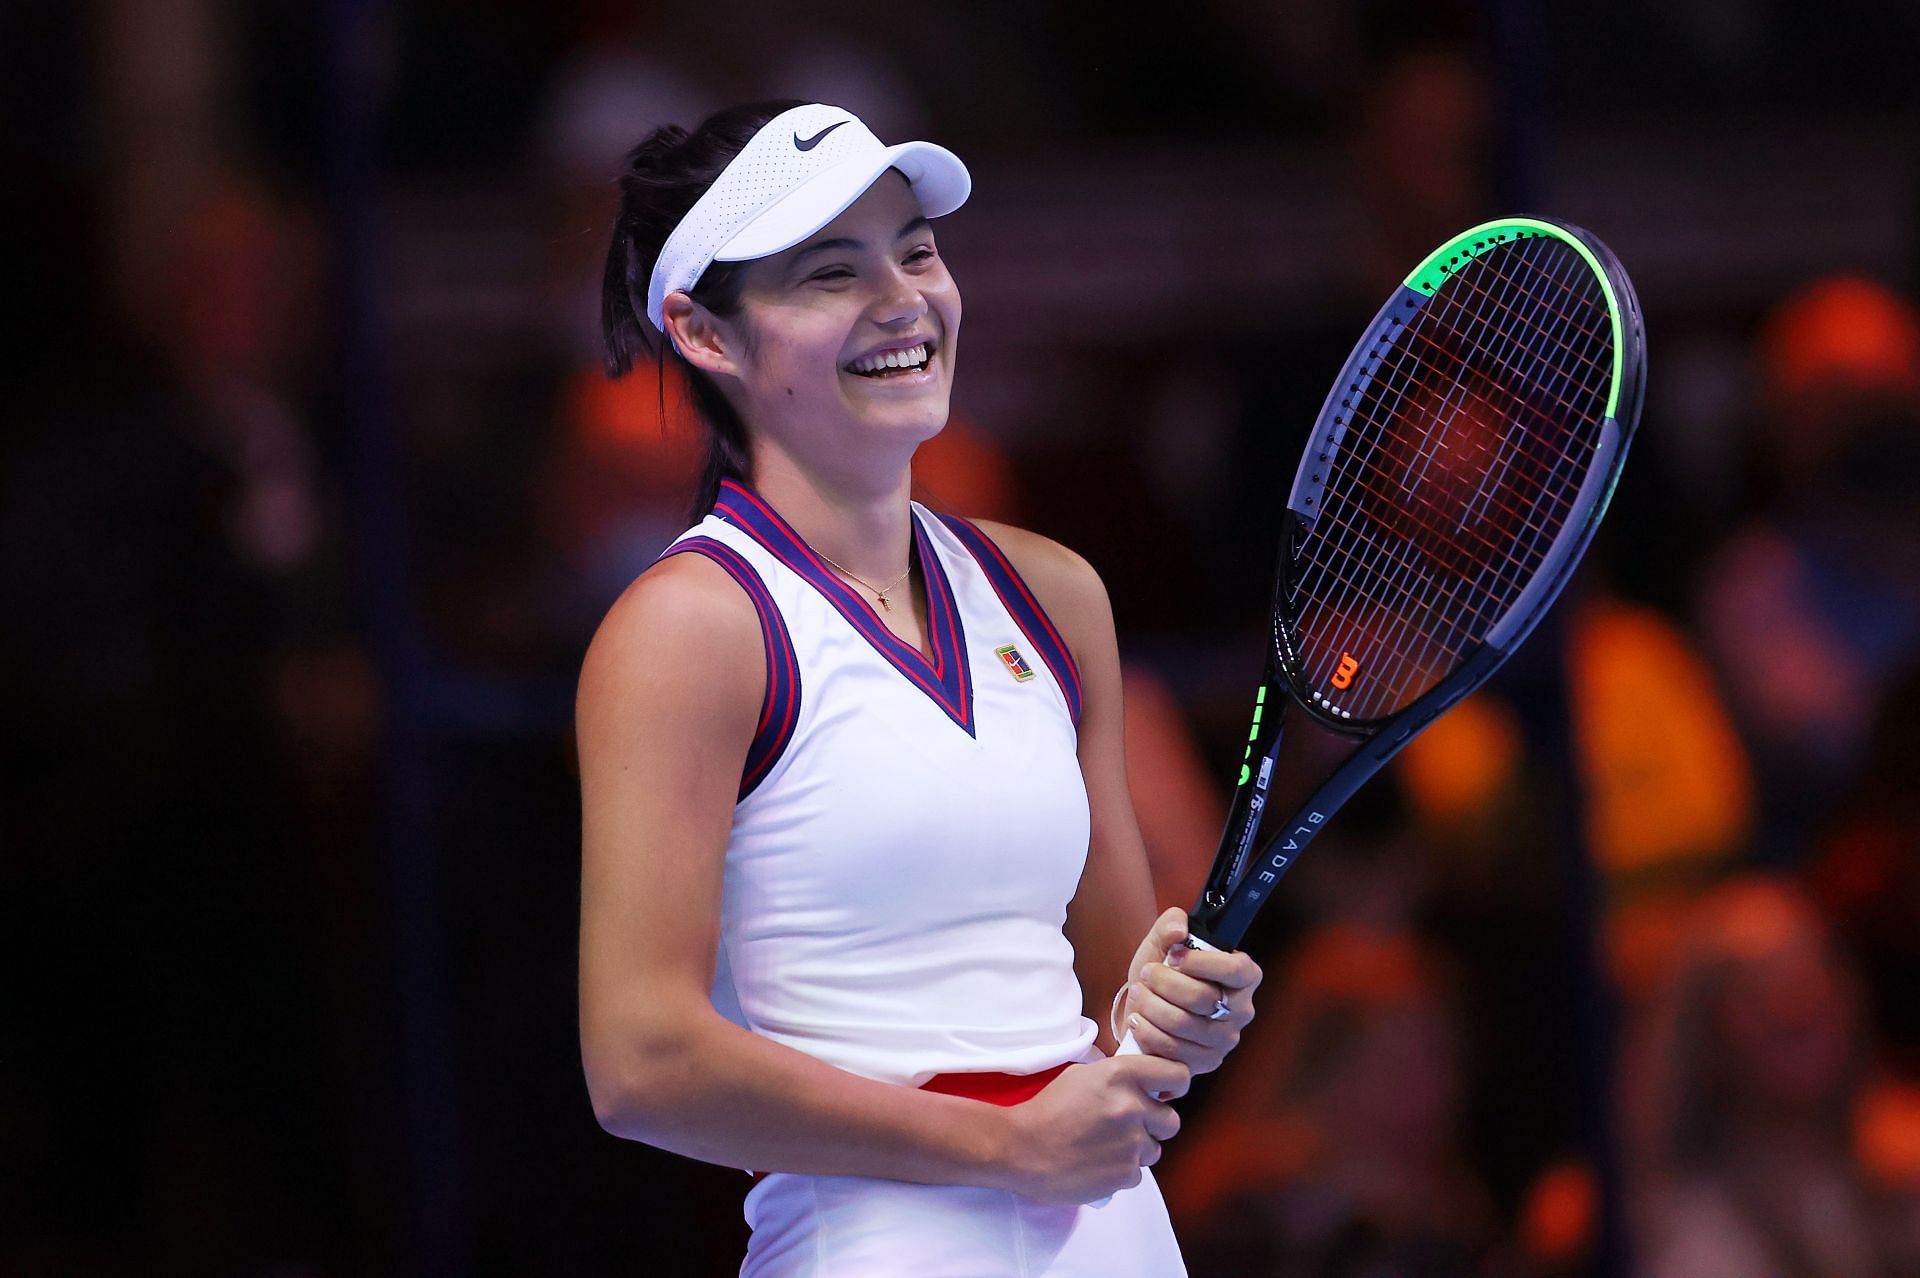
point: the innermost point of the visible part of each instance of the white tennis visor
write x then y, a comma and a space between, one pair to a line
798, 173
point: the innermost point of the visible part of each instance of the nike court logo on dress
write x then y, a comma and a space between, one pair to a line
814, 141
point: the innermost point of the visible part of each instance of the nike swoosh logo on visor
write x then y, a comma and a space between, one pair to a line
814, 141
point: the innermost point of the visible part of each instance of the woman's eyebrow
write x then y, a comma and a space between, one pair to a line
916, 223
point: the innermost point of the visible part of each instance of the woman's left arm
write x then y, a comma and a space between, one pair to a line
1116, 939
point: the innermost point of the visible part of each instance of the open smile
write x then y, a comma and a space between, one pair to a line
909, 364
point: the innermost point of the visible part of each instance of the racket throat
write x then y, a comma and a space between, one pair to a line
1272, 818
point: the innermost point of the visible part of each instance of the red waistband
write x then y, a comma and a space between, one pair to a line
995, 1089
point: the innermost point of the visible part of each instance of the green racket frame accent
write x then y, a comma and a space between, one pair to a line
1428, 276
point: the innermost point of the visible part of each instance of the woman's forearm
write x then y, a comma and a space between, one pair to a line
722, 1094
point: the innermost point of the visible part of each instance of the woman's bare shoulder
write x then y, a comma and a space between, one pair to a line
1067, 585
685, 617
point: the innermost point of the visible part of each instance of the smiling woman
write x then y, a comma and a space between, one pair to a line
859, 881
815, 353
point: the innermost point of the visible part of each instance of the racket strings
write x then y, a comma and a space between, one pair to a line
1360, 540
1571, 266
1549, 391
1471, 547
1438, 638
1427, 660
1419, 365
1458, 464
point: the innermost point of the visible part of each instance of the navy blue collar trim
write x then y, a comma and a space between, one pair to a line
1025, 609
946, 678
780, 706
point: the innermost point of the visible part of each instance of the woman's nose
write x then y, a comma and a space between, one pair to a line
901, 300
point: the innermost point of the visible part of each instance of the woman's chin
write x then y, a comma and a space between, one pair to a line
917, 421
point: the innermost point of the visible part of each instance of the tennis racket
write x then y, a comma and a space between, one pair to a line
1456, 473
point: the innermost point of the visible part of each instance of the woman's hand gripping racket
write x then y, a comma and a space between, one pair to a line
1455, 476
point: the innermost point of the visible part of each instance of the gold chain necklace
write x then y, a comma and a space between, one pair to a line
879, 592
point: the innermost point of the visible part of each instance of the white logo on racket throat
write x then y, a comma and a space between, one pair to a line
1297, 838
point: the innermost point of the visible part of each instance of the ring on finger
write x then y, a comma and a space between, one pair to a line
1220, 1010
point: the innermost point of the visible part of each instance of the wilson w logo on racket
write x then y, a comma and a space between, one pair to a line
1451, 483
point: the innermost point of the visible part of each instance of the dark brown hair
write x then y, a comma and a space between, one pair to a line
664, 176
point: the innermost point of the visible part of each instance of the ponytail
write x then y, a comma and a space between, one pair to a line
664, 176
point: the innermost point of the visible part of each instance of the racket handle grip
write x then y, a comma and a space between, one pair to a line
1128, 1047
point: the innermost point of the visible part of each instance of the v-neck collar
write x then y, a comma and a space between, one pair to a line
945, 677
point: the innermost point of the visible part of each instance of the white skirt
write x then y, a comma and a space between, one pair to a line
853, 1227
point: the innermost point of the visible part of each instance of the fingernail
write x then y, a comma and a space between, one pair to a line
1176, 956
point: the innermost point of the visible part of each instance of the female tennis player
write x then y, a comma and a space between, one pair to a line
861, 877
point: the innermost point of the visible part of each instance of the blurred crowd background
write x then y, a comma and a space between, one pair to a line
312, 491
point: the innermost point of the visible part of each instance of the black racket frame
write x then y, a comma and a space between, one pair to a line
1249, 865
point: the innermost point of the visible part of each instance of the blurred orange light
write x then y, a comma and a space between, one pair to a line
1557, 1222
1456, 767
1842, 330
1887, 1134
1666, 777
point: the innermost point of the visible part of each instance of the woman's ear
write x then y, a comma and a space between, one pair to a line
698, 335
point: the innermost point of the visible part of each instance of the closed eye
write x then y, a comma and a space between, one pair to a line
918, 257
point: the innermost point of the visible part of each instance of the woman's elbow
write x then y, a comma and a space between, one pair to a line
637, 1088
612, 1103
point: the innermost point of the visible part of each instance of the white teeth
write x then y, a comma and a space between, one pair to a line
912, 357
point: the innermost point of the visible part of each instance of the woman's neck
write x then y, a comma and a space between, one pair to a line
859, 521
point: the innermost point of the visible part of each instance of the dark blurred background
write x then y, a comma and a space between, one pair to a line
312, 491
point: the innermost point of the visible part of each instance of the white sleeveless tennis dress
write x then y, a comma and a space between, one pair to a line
908, 835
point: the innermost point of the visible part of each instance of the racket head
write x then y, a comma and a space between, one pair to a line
1457, 471
1455, 476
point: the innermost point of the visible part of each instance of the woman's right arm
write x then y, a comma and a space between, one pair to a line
669, 698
